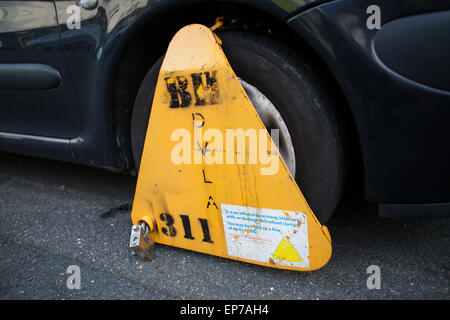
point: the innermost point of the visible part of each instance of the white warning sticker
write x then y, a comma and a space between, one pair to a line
266, 235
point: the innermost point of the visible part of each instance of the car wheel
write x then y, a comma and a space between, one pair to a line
288, 95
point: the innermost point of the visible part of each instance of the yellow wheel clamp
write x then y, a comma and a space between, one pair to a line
211, 179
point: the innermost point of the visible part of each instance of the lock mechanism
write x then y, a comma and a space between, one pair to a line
141, 243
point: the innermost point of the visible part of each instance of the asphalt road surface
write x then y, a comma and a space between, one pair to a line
54, 215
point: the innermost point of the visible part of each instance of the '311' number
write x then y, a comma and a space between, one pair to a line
170, 231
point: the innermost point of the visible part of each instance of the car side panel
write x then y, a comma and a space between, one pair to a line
36, 93
403, 125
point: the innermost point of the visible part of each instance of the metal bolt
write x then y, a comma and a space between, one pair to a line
89, 4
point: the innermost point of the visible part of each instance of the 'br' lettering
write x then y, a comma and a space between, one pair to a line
204, 85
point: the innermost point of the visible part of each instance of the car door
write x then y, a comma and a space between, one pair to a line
36, 93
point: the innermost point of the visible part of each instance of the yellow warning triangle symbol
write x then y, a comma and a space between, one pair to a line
286, 252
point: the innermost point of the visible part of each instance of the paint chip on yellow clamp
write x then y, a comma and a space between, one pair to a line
187, 201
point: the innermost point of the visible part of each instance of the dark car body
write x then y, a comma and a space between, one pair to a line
67, 94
